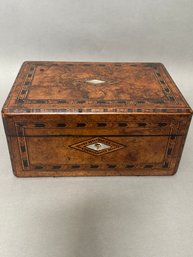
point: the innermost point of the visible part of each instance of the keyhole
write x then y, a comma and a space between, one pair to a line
98, 146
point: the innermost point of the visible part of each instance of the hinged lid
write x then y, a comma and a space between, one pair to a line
72, 87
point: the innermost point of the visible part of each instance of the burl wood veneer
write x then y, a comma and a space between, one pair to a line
95, 119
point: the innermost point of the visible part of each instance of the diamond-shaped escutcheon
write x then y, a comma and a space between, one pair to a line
98, 146
95, 81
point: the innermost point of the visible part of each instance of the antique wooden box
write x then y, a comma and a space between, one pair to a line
95, 119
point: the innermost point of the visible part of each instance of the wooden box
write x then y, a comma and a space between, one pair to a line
95, 119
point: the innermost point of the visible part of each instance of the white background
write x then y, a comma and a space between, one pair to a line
97, 216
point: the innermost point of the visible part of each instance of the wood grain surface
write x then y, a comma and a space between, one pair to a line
95, 119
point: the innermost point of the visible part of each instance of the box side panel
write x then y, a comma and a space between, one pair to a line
8, 138
181, 147
176, 89
14, 155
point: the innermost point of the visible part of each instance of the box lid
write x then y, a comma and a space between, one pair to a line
86, 87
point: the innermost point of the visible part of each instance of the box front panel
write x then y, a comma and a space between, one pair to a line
100, 155
95, 146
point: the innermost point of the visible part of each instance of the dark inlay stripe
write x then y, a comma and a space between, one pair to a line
23, 149
38, 167
122, 124
162, 124
81, 125
172, 98
101, 102
142, 124
111, 166
148, 166
157, 101
101, 124
169, 151
25, 163
40, 125
23, 92
20, 133
165, 165
121, 102
40, 101
20, 101
129, 166
94, 166
76, 166
56, 167
61, 125
61, 101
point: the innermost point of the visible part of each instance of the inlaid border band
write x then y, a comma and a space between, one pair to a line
21, 126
